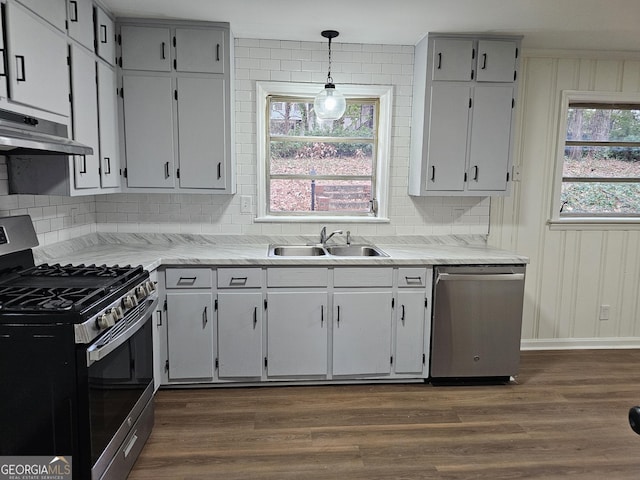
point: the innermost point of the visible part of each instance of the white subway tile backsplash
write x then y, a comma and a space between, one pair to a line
59, 218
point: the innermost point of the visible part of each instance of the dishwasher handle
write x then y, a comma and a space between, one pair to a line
500, 277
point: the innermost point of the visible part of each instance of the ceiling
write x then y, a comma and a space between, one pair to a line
564, 24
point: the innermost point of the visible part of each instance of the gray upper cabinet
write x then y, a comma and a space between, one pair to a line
109, 154
37, 59
105, 39
176, 86
85, 117
80, 21
53, 11
201, 130
497, 60
200, 50
148, 131
146, 48
464, 94
453, 59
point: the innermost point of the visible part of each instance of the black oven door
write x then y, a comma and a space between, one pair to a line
120, 384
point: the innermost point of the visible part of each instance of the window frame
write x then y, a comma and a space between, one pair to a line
585, 221
384, 95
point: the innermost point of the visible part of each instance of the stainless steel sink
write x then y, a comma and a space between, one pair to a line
318, 250
356, 251
296, 251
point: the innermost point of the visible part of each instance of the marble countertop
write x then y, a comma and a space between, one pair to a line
154, 250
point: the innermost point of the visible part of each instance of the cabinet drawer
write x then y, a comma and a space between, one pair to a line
239, 278
363, 277
188, 278
412, 277
297, 277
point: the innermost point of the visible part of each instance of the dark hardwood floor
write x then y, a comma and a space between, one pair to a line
566, 417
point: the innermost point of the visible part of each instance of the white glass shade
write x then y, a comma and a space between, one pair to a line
329, 104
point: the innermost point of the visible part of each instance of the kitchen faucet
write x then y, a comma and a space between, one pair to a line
323, 235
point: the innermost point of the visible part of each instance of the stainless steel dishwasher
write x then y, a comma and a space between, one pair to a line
477, 321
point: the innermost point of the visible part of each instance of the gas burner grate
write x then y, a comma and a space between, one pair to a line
57, 270
50, 299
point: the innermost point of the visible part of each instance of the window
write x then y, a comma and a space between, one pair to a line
311, 169
600, 157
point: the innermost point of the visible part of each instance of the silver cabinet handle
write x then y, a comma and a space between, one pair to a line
413, 280
255, 317
238, 281
103, 33
166, 169
484, 61
475, 172
402, 317
159, 321
433, 173
107, 162
164, 56
205, 318
219, 170
439, 61
338, 318
500, 277
218, 52
321, 316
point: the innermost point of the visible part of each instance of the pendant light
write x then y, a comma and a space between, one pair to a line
329, 104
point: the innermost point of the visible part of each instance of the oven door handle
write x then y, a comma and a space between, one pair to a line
98, 353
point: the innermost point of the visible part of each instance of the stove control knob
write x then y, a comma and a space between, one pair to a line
106, 320
117, 313
150, 287
141, 292
130, 301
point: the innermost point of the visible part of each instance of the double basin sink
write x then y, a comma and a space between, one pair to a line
320, 250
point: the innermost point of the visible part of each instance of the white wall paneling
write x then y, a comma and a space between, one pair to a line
572, 272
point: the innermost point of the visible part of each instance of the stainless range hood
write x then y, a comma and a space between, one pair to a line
27, 135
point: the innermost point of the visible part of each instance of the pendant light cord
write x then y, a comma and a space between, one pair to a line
329, 79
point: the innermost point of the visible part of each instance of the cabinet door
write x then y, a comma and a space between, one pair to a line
448, 127
146, 48
410, 320
39, 75
240, 334
85, 117
490, 137
362, 333
201, 132
297, 333
199, 50
105, 38
190, 335
452, 59
497, 60
80, 24
148, 130
53, 11
109, 153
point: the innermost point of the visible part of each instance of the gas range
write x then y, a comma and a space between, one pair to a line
76, 358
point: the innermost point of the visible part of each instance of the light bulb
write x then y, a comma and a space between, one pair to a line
329, 103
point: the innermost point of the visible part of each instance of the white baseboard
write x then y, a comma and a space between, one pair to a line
580, 343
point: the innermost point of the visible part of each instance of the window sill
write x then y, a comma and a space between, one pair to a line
584, 223
314, 219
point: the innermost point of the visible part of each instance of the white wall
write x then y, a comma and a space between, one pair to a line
572, 272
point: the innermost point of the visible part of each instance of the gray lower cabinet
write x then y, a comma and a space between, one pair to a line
297, 333
190, 335
362, 332
413, 321
296, 323
240, 334
188, 306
